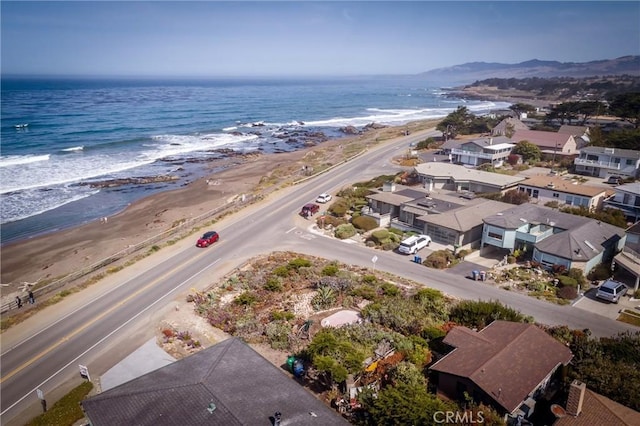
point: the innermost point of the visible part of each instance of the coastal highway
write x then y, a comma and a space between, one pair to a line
102, 324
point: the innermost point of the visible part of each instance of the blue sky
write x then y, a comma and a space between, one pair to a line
305, 38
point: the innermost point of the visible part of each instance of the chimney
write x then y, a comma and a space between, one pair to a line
490, 141
575, 398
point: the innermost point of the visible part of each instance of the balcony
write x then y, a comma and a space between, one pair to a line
477, 154
593, 163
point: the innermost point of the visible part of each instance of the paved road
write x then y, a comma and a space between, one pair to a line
101, 325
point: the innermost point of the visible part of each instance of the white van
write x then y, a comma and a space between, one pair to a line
412, 244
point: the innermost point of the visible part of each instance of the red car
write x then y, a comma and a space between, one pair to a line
207, 239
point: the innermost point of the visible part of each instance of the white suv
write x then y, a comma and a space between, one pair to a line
412, 244
323, 198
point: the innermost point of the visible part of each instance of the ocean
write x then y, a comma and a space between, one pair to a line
60, 135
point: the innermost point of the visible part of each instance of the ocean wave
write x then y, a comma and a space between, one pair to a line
73, 149
32, 202
230, 129
15, 160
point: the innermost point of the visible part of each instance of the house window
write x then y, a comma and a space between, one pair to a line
629, 162
626, 199
535, 193
569, 199
495, 235
556, 195
637, 203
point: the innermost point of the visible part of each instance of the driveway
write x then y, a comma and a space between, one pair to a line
588, 302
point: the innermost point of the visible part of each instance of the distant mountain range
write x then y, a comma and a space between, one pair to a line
474, 71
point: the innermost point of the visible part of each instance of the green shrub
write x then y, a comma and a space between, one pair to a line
389, 289
380, 235
480, 313
281, 271
511, 259
600, 272
339, 208
396, 232
389, 245
568, 293
365, 223
273, 284
535, 286
278, 334
432, 333
330, 270
461, 254
566, 281
369, 279
578, 275
345, 231
298, 263
246, 299
365, 292
440, 259
282, 316
330, 220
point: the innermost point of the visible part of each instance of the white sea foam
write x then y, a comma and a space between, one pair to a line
73, 149
230, 129
15, 160
32, 202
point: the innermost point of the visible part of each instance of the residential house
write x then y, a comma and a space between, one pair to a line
508, 126
553, 237
626, 198
629, 258
579, 133
542, 189
228, 383
447, 217
584, 407
507, 365
604, 162
552, 144
457, 178
480, 151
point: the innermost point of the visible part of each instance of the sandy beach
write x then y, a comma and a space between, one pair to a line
44, 259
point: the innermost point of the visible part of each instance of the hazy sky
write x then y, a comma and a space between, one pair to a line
305, 38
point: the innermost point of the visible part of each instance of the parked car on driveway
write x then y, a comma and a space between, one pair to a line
412, 244
207, 239
611, 291
323, 198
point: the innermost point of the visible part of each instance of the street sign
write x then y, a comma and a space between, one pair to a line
374, 259
84, 371
40, 393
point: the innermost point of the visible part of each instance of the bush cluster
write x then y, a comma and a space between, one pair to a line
365, 223
345, 231
440, 259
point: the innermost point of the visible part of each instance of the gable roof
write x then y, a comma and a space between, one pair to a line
501, 127
245, 388
623, 153
577, 131
532, 213
599, 410
466, 217
463, 174
507, 360
541, 138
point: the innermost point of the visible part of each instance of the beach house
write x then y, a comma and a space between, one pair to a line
565, 191
491, 150
605, 162
551, 144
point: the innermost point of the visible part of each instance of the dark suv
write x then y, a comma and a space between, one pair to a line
611, 291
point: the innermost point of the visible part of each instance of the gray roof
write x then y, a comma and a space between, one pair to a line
582, 243
245, 388
518, 215
583, 238
623, 153
466, 217
631, 188
464, 174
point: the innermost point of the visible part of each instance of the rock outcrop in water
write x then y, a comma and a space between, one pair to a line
113, 183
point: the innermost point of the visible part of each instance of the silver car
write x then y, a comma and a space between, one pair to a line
611, 291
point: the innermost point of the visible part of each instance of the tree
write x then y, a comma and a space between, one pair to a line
520, 108
455, 122
527, 150
627, 107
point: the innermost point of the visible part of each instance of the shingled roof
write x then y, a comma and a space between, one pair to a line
600, 410
244, 388
507, 360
